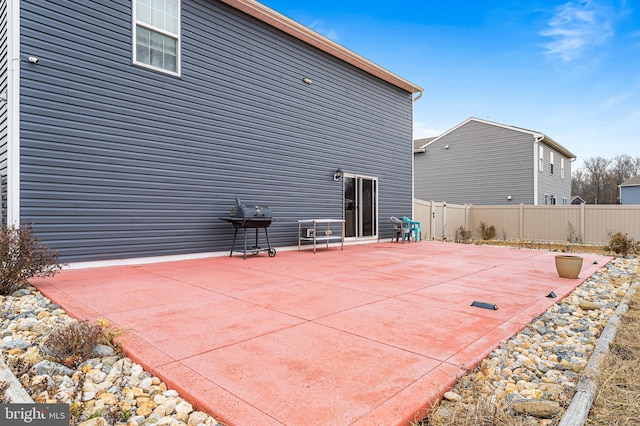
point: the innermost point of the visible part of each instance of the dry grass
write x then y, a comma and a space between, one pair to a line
479, 406
482, 409
617, 400
548, 246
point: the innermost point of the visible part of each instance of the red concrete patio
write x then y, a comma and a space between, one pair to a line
365, 336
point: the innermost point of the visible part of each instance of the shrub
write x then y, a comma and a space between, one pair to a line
23, 257
573, 236
621, 243
487, 232
462, 235
73, 343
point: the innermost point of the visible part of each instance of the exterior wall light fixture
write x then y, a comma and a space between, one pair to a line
307, 80
337, 175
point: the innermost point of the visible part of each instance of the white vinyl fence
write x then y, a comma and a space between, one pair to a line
590, 223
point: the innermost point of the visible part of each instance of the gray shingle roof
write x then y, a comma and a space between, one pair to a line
634, 181
419, 143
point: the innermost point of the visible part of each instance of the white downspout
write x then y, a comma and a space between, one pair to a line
536, 145
413, 156
13, 114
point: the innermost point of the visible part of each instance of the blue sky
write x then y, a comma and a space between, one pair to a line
568, 69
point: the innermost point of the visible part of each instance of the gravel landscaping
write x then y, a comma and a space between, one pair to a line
530, 379
106, 389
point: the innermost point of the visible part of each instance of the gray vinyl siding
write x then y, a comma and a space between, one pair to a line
552, 184
119, 161
4, 72
483, 165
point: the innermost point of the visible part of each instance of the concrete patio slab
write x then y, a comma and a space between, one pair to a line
368, 335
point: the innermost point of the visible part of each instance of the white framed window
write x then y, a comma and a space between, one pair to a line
156, 34
546, 199
541, 158
565, 201
551, 162
562, 168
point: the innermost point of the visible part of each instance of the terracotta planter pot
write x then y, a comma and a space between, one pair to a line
568, 266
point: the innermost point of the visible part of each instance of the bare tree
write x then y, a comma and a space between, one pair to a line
624, 167
597, 182
579, 183
596, 168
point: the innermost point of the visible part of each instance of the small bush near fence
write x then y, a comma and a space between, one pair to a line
621, 243
463, 235
573, 236
488, 232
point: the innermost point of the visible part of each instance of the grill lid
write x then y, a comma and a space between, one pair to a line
245, 211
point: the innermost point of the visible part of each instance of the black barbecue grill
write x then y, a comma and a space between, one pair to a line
242, 217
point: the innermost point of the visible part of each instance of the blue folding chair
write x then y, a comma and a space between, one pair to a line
414, 227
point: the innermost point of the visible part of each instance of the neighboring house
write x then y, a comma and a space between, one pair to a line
578, 200
129, 130
482, 162
630, 191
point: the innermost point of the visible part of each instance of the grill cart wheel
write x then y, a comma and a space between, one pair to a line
272, 252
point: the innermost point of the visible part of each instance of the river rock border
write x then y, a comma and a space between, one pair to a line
530, 372
535, 374
105, 390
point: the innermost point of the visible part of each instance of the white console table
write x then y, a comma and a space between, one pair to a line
321, 232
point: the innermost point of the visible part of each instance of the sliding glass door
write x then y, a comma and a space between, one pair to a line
360, 206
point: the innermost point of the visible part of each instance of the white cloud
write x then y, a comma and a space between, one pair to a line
576, 26
630, 120
319, 27
422, 130
617, 99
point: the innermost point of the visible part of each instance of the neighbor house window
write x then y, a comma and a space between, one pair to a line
562, 168
546, 199
565, 201
541, 158
551, 162
156, 34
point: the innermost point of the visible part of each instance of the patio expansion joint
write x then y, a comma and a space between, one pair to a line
155, 370
228, 345
381, 343
434, 363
